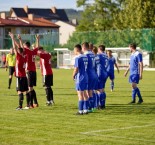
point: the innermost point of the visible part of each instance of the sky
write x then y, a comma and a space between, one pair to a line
5, 5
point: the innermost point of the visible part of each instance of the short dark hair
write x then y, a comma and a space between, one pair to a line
86, 45
78, 46
109, 51
102, 47
20, 49
94, 50
133, 45
27, 44
40, 48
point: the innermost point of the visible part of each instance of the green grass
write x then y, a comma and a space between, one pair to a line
119, 124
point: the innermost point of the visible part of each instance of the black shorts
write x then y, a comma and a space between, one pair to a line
22, 84
11, 70
48, 80
32, 78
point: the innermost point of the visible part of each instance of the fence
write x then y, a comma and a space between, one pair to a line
144, 38
47, 40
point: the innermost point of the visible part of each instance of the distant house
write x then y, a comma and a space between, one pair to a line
27, 25
52, 14
65, 31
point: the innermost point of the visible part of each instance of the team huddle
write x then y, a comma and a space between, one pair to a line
21, 60
92, 68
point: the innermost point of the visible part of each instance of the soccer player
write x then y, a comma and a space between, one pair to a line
10, 62
101, 63
31, 71
22, 85
136, 70
110, 68
92, 75
47, 73
81, 79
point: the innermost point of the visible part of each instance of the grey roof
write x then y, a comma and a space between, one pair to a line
44, 13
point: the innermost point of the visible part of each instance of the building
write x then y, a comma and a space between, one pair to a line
27, 25
65, 31
51, 14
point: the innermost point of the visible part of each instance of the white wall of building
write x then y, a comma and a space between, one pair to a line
65, 31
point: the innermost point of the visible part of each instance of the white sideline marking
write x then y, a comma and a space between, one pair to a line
115, 129
120, 137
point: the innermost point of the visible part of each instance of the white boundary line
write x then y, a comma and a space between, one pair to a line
121, 137
115, 129
94, 133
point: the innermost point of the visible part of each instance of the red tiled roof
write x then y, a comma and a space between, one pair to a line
37, 22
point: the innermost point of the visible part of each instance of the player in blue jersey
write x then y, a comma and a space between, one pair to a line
81, 79
100, 64
92, 76
136, 70
110, 68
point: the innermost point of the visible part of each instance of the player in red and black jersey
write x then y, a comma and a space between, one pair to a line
22, 85
31, 72
47, 73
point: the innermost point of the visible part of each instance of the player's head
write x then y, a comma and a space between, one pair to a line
11, 51
77, 49
94, 50
27, 44
85, 46
101, 48
91, 46
109, 53
41, 49
20, 50
132, 47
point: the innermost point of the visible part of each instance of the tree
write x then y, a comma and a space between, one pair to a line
136, 14
97, 15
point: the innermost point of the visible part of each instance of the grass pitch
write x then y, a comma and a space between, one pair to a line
118, 124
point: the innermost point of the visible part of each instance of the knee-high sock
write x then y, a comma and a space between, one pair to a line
34, 97
104, 98
28, 99
48, 94
112, 85
94, 98
10, 81
91, 103
97, 100
51, 93
101, 99
21, 98
134, 91
31, 98
80, 106
138, 93
85, 105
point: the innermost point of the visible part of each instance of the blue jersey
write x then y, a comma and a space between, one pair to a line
81, 62
110, 64
91, 65
100, 65
135, 58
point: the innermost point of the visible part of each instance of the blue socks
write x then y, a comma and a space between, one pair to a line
81, 104
135, 92
102, 97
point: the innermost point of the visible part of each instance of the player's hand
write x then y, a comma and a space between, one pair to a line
6, 69
11, 35
19, 37
118, 71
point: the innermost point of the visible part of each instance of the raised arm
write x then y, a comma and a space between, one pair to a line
37, 40
13, 42
20, 41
